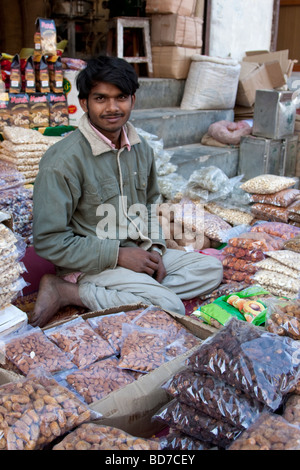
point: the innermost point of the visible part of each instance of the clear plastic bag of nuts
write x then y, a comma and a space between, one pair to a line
214, 397
142, 349
109, 326
263, 365
291, 411
36, 410
92, 436
269, 432
98, 379
29, 348
78, 339
188, 420
283, 317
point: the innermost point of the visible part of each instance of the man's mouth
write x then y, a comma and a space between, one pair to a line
112, 117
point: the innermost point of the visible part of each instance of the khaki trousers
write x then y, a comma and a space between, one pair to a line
189, 274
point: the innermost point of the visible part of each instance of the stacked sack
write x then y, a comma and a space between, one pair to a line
16, 200
279, 271
11, 252
273, 197
23, 149
244, 251
229, 382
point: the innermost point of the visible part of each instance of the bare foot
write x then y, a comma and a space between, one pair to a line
54, 293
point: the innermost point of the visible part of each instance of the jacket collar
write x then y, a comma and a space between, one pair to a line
98, 146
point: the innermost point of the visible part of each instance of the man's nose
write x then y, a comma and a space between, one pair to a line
112, 104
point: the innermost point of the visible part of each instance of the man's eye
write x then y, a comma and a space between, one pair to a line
123, 97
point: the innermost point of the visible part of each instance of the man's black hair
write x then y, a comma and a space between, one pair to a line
107, 69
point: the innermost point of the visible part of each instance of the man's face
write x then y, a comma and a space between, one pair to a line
108, 108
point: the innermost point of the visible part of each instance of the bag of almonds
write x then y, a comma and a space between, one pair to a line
77, 338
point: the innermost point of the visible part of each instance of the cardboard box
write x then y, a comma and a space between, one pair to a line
74, 109
254, 76
262, 57
181, 7
176, 30
11, 318
172, 61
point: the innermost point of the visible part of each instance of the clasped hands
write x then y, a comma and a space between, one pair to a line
141, 261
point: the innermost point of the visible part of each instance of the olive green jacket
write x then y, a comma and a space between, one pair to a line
84, 201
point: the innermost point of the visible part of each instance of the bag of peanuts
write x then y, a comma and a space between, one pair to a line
263, 365
256, 241
214, 397
188, 420
268, 184
269, 432
36, 410
282, 198
277, 229
283, 317
77, 338
92, 436
270, 212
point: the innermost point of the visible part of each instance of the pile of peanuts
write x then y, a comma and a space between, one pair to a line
35, 411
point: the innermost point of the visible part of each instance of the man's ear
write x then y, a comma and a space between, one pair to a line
132, 101
83, 104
